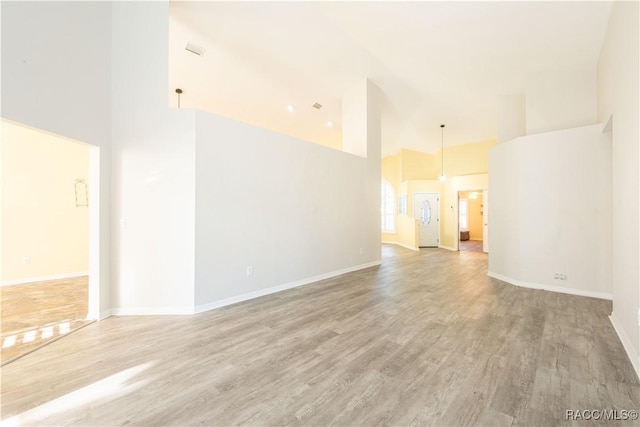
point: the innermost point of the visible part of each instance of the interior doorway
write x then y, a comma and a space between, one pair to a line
49, 223
471, 221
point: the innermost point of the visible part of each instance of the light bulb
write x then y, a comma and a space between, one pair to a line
442, 178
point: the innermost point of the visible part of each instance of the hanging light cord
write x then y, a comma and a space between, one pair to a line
179, 92
442, 152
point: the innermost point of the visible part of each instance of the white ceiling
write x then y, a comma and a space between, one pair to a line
435, 62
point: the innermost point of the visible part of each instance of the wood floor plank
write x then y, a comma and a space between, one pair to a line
425, 339
35, 314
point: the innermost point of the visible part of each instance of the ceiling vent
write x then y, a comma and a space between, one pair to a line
195, 49
317, 106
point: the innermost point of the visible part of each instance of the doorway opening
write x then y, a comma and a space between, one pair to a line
471, 221
50, 240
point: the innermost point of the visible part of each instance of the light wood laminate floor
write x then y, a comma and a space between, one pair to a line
425, 339
471, 245
34, 314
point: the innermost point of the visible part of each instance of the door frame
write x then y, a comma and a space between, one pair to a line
485, 221
95, 223
457, 214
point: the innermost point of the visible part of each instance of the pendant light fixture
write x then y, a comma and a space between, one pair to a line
179, 92
442, 177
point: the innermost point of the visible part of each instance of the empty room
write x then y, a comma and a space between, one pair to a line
320, 213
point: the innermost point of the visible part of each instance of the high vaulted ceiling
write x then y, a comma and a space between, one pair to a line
435, 62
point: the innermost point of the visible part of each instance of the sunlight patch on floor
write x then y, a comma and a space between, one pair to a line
9, 341
64, 327
31, 335
110, 388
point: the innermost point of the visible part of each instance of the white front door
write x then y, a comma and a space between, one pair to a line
426, 211
485, 221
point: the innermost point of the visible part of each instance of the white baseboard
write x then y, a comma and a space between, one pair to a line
551, 288
104, 314
279, 288
30, 280
401, 245
150, 311
449, 248
634, 356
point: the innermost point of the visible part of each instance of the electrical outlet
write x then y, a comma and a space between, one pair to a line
249, 270
360, 251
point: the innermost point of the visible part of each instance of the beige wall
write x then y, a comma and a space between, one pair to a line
40, 220
475, 212
449, 236
475, 217
391, 167
391, 171
410, 172
417, 165
466, 159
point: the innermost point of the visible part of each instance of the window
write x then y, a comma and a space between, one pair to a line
464, 215
388, 207
402, 205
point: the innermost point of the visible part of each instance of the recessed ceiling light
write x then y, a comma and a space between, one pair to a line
290, 107
329, 124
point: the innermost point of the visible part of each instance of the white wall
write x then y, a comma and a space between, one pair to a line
153, 160
551, 211
290, 209
354, 119
56, 76
560, 99
370, 221
618, 93
511, 117
97, 72
55, 67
